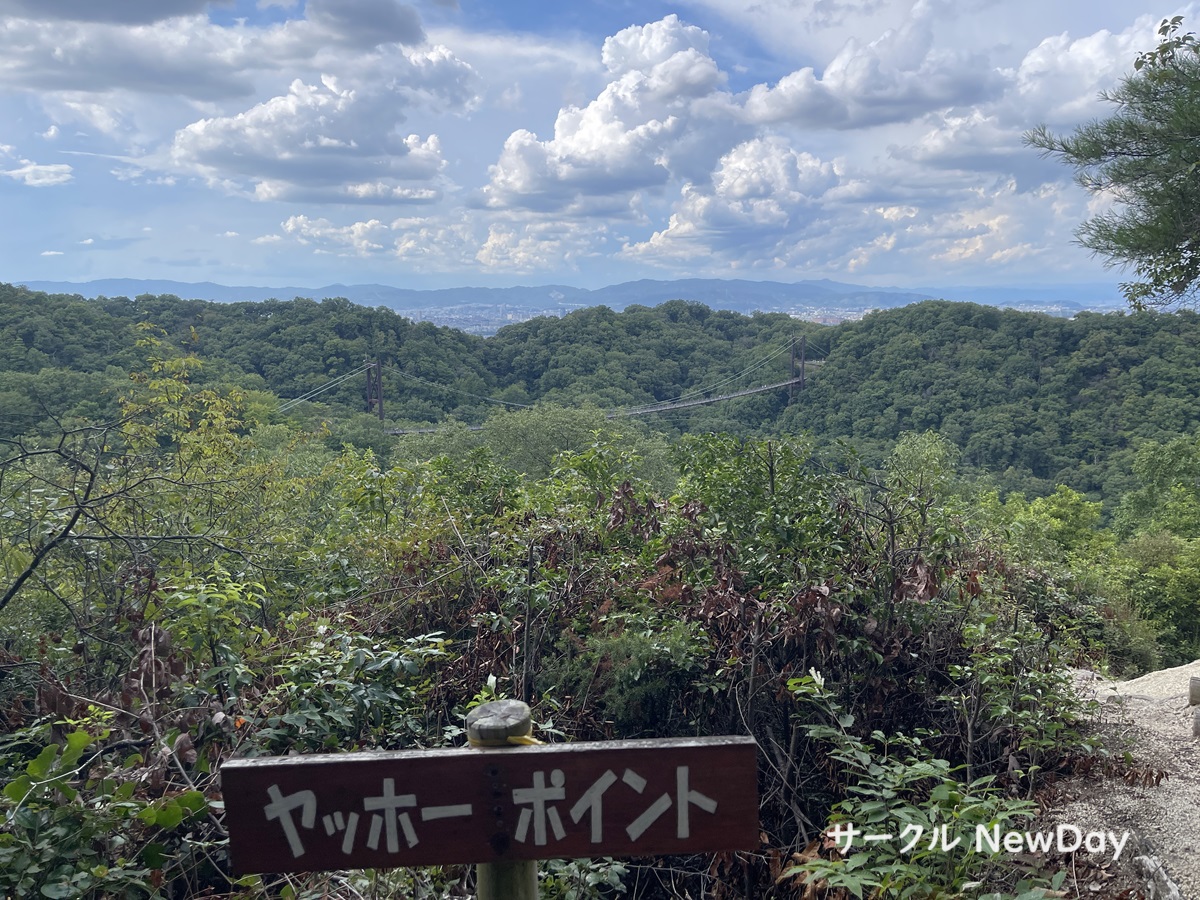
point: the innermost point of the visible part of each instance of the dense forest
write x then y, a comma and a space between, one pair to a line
1031, 399
882, 581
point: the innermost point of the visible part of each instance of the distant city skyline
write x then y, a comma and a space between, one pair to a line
486, 310
439, 144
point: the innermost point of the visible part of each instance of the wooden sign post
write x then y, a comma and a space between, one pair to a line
484, 805
503, 723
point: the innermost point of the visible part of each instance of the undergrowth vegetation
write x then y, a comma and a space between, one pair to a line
182, 587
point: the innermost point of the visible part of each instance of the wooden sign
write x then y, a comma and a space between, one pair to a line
477, 805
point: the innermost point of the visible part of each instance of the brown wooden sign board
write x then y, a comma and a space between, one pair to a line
476, 805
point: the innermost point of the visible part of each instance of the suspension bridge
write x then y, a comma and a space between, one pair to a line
703, 396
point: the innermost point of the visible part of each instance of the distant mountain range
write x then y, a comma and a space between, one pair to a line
484, 310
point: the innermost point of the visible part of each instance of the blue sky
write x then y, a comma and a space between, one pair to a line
436, 144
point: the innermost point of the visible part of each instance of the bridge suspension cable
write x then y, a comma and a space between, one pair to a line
456, 390
701, 401
629, 410
695, 397
288, 404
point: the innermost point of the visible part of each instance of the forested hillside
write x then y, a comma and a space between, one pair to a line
1034, 399
292, 347
1031, 399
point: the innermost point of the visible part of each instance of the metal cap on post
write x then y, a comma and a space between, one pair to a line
503, 723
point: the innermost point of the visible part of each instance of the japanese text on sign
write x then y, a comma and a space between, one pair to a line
416, 808
392, 811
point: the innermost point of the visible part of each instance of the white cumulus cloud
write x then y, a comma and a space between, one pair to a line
187, 57
317, 142
897, 77
763, 193
537, 245
635, 134
359, 238
1059, 80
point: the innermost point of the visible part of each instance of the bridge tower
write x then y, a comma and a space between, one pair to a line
375, 388
792, 382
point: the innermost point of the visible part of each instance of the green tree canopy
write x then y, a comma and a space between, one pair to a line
1145, 156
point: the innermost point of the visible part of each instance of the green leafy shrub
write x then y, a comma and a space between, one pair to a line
339, 690
897, 788
73, 828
